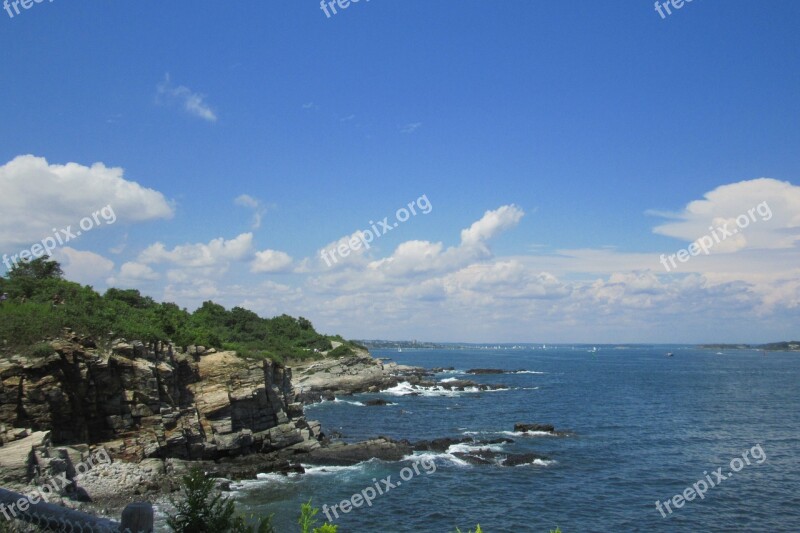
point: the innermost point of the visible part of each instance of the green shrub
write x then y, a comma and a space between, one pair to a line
307, 521
204, 509
341, 351
24, 324
41, 303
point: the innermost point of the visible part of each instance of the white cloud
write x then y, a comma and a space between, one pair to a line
271, 261
506, 279
245, 200
411, 127
193, 103
492, 223
37, 197
87, 268
132, 274
216, 252
770, 210
138, 271
428, 290
329, 256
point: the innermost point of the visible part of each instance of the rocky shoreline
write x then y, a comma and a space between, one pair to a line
157, 410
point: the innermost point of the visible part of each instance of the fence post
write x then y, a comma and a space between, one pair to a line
137, 517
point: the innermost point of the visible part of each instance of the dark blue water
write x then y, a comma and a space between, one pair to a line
644, 428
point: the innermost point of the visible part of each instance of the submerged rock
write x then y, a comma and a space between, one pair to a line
377, 402
524, 428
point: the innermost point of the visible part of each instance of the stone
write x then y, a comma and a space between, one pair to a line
15, 456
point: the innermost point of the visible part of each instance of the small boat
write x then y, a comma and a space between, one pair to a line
670, 354
720, 353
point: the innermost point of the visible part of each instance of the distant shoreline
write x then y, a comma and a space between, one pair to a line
783, 346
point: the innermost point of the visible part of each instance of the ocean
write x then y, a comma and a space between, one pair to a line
642, 427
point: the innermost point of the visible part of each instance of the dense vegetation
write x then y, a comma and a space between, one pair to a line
39, 303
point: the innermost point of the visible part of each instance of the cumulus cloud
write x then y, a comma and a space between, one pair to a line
38, 196
767, 210
216, 252
330, 257
192, 102
429, 290
415, 257
87, 268
138, 271
506, 279
492, 223
271, 261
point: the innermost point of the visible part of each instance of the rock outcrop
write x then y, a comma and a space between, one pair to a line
324, 380
153, 401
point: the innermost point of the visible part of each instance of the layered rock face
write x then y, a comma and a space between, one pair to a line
326, 379
152, 402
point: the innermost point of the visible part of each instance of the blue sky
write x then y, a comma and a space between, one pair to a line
565, 130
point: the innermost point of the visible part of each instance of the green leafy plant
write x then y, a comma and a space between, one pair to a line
307, 521
204, 509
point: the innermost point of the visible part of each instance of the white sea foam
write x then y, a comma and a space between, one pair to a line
405, 388
528, 372
437, 456
328, 470
273, 478
337, 400
538, 462
466, 447
528, 433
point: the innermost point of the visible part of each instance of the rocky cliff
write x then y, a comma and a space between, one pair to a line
152, 401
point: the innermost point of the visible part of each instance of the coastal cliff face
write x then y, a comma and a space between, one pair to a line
156, 412
143, 402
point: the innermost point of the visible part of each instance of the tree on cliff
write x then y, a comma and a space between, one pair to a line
41, 303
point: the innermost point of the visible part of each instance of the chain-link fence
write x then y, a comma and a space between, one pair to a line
43, 516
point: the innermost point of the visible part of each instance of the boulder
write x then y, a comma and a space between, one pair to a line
519, 459
341, 454
16, 457
377, 402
